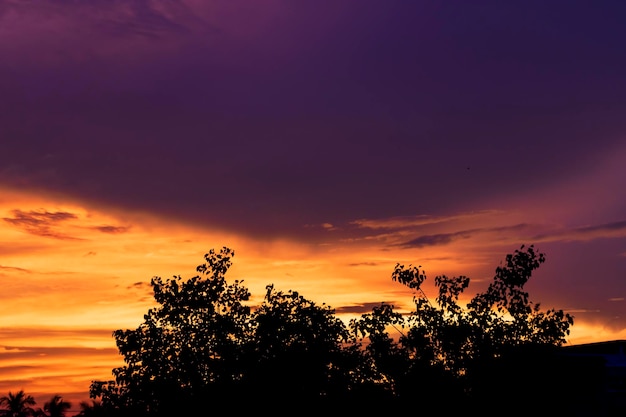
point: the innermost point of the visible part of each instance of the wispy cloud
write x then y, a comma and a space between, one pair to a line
605, 230
359, 308
363, 264
14, 269
41, 222
10, 353
141, 286
149, 20
57, 224
522, 232
43, 370
445, 238
404, 222
438, 239
111, 229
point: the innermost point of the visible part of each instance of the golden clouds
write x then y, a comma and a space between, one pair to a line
72, 274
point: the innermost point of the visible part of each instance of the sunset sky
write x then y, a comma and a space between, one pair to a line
323, 141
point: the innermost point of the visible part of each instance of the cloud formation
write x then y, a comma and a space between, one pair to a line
14, 269
41, 222
138, 135
598, 231
111, 229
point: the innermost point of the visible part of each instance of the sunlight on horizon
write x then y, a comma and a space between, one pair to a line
72, 274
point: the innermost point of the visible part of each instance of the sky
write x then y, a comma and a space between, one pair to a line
323, 141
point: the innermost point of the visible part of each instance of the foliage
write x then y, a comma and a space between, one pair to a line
203, 344
17, 405
92, 409
298, 350
468, 348
56, 407
194, 339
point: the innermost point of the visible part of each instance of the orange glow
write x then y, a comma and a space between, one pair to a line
72, 274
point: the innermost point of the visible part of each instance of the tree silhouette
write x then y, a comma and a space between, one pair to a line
468, 349
298, 351
203, 345
56, 407
92, 409
17, 405
194, 339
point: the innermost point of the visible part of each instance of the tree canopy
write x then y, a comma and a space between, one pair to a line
204, 345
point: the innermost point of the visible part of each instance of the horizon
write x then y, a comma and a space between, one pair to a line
323, 142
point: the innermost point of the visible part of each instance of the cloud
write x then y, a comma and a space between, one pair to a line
54, 23
32, 335
359, 308
14, 269
606, 230
445, 238
111, 229
41, 222
17, 369
433, 230
46, 223
42, 370
11, 353
435, 240
328, 226
582, 310
404, 222
140, 285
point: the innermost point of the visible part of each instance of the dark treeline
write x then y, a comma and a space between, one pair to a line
203, 348
20, 404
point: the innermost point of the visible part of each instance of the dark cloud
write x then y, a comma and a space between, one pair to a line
359, 309
41, 222
112, 229
607, 227
445, 238
606, 230
614, 229
140, 285
438, 239
12, 352
262, 119
35, 218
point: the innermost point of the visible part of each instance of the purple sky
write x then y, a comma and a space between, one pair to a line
271, 118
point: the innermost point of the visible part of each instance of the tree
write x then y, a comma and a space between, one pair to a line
18, 404
298, 350
56, 407
499, 335
192, 341
202, 345
93, 409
